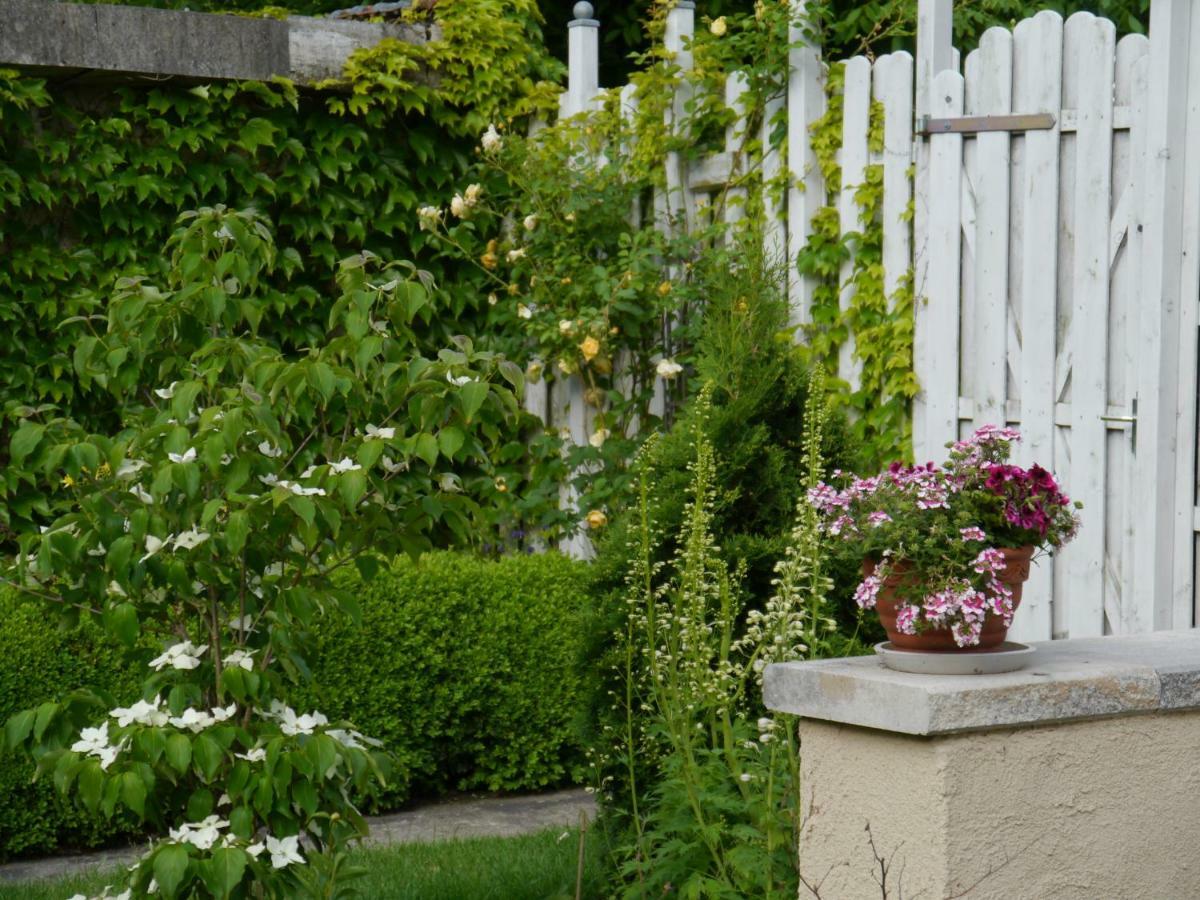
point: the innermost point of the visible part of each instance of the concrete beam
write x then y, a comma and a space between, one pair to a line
75, 39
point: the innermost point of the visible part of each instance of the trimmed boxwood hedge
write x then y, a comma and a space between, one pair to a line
466, 669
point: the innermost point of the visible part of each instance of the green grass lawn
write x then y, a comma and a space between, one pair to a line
532, 867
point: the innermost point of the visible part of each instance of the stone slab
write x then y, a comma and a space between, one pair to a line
1067, 680
87, 38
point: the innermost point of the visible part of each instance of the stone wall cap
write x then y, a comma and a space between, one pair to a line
1067, 680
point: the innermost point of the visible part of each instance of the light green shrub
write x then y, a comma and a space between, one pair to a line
465, 667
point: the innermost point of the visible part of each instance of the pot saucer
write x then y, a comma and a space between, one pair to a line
1008, 657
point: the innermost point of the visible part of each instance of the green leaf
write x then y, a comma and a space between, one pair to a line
45, 713
472, 395
369, 453
18, 727
367, 565
224, 870
352, 486
512, 373
133, 793
121, 621
170, 868
450, 440
321, 377
305, 795
241, 821
120, 552
208, 755
303, 507
91, 783
237, 529
179, 752
322, 752
427, 448
24, 442
199, 805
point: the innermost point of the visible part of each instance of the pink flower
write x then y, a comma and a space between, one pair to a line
877, 518
989, 561
973, 533
867, 591
906, 619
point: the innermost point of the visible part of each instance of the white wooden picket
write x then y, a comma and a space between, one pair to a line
1049, 267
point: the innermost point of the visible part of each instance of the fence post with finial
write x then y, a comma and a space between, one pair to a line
583, 59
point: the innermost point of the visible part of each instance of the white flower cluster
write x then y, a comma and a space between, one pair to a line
273, 480
196, 720
185, 655
292, 724
668, 368
185, 540
206, 834
94, 742
491, 140
462, 204
141, 713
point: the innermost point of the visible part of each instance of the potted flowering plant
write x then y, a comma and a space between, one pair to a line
946, 549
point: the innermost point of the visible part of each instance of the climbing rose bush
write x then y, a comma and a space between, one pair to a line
205, 533
942, 527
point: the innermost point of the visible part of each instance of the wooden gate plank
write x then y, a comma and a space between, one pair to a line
1089, 49
856, 112
1037, 87
937, 324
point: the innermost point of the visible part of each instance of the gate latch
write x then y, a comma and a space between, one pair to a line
1131, 419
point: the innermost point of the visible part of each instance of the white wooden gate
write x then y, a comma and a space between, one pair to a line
1055, 262
1056, 267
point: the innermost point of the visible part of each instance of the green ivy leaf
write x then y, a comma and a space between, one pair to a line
28, 436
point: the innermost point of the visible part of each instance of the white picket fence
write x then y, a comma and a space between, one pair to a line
1051, 260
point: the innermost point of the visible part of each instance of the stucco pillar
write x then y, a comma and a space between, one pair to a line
1073, 779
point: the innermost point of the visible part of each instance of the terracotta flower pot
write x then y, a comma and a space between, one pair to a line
1015, 574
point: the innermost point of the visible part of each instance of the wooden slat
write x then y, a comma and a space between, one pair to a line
1185, 559
1089, 49
735, 141
989, 92
1123, 116
710, 172
937, 319
1120, 608
855, 123
1037, 84
934, 55
677, 37
892, 85
806, 194
1166, 119
775, 225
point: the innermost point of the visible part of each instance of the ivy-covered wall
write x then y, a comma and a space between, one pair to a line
92, 180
